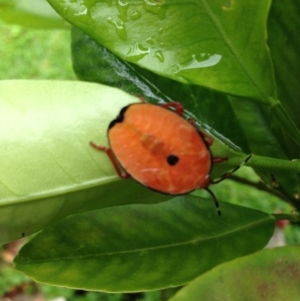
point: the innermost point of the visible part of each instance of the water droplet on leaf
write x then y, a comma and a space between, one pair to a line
150, 41
155, 7
159, 55
119, 26
122, 8
137, 52
135, 15
202, 60
81, 12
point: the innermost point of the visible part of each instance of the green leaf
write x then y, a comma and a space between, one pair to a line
93, 62
271, 275
283, 29
267, 147
140, 247
217, 45
48, 169
31, 13
275, 107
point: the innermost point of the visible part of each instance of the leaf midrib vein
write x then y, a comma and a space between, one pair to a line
232, 48
193, 242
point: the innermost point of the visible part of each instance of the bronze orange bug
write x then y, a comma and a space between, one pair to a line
160, 149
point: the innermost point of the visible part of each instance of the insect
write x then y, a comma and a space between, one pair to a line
160, 149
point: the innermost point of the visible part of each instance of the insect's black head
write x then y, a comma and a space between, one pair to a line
119, 118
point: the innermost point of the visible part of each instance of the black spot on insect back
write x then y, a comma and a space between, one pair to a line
119, 118
172, 160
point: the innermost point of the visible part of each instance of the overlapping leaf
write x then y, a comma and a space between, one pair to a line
140, 247
93, 62
214, 112
194, 42
271, 275
48, 170
238, 123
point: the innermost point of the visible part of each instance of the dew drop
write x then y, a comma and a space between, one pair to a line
137, 52
150, 41
155, 7
122, 8
202, 60
119, 26
173, 69
159, 55
82, 12
78, 8
135, 15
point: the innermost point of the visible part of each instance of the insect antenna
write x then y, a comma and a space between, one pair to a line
214, 199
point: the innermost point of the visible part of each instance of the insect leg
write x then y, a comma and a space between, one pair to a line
142, 99
122, 174
228, 174
214, 199
219, 160
176, 105
208, 139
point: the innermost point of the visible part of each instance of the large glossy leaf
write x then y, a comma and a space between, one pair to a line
224, 53
277, 115
217, 45
269, 275
48, 169
31, 13
140, 247
94, 62
213, 111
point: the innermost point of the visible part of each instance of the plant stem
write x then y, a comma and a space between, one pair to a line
294, 218
274, 164
261, 186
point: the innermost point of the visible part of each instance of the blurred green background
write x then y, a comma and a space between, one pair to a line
34, 54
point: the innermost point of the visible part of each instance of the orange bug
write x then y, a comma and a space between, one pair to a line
160, 149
